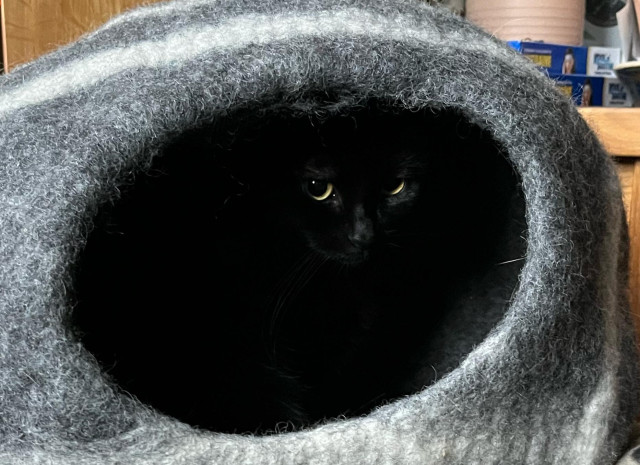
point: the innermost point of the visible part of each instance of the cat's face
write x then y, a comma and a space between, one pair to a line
347, 188
355, 199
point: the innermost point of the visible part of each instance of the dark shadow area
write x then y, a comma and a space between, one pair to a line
221, 291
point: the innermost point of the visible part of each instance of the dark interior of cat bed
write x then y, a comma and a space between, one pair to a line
278, 269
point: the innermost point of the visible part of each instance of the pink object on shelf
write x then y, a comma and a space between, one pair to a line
550, 21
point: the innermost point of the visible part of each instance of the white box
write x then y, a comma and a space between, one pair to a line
615, 94
601, 60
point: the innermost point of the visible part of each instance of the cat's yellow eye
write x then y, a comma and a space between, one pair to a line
319, 189
398, 188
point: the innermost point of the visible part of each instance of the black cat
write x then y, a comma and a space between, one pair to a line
295, 272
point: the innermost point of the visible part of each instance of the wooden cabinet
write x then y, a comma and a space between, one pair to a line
619, 131
33, 28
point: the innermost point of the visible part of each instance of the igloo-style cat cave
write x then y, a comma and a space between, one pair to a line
106, 223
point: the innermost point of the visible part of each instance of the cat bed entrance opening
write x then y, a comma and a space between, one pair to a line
103, 177
204, 290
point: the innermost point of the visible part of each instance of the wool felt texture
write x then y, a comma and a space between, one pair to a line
553, 380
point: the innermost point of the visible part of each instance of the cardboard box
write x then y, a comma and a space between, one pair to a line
555, 58
615, 94
601, 60
585, 91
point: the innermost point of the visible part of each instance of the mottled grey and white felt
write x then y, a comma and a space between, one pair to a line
553, 382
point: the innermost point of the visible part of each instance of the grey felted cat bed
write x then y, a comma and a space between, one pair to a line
548, 377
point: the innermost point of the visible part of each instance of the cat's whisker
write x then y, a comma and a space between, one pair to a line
309, 268
295, 280
342, 269
510, 261
294, 272
288, 282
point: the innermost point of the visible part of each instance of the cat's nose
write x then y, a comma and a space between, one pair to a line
361, 239
361, 230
